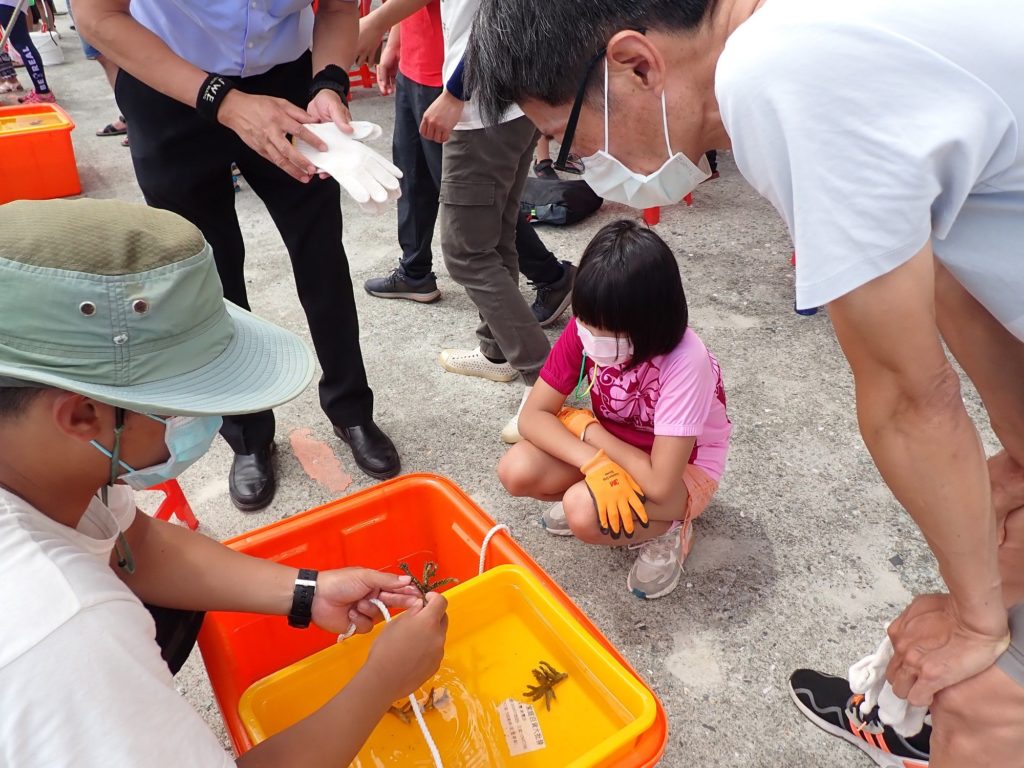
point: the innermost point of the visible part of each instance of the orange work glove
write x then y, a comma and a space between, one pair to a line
616, 495
576, 420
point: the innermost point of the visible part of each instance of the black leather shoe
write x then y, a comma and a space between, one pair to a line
373, 450
252, 480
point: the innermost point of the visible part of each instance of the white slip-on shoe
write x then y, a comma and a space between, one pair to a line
471, 362
510, 432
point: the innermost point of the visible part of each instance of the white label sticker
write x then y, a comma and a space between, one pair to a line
521, 727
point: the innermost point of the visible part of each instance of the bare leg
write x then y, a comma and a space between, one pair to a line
1007, 478
981, 721
582, 516
543, 149
526, 470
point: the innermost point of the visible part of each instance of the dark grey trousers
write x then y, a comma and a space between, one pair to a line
483, 172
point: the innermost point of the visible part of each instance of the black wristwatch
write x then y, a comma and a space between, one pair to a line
301, 613
332, 78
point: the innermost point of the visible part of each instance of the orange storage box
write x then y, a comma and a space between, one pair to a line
412, 519
37, 159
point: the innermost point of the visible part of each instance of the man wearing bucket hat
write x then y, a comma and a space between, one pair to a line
118, 353
205, 84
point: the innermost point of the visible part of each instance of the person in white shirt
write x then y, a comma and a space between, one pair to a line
890, 137
117, 357
483, 173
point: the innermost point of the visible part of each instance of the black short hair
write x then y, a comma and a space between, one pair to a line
14, 400
539, 49
628, 282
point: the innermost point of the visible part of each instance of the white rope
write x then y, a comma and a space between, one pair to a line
387, 617
487, 540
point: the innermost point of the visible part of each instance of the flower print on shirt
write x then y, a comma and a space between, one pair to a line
629, 396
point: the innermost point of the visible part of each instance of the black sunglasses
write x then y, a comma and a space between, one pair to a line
577, 105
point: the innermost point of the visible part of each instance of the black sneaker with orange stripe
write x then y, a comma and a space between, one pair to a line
829, 703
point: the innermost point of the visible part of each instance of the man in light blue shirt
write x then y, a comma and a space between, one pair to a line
205, 84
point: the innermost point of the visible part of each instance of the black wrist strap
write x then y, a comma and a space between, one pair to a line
333, 78
301, 613
215, 87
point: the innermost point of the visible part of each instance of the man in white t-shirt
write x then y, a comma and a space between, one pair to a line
117, 356
890, 137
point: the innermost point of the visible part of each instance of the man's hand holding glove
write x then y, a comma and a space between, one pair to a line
616, 495
369, 179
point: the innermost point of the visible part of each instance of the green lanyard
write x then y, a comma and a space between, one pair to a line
579, 393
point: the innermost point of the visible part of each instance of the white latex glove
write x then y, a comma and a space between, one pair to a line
368, 177
867, 677
364, 130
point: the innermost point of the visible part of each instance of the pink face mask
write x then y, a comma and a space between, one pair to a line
605, 351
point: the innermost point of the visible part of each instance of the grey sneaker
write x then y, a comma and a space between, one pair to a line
554, 298
399, 285
659, 565
554, 521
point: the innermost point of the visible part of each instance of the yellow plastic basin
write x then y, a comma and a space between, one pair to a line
501, 625
25, 121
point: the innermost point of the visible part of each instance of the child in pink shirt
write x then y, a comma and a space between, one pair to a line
648, 457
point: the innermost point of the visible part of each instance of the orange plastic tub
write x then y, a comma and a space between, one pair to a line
37, 159
410, 519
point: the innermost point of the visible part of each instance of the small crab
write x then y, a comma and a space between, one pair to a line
405, 713
425, 584
547, 677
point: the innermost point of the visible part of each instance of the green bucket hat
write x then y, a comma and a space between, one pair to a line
122, 303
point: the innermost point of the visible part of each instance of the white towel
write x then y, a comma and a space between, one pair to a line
867, 677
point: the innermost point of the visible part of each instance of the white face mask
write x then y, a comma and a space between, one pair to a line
612, 180
605, 351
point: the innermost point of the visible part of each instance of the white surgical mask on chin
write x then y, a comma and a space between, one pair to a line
612, 180
605, 351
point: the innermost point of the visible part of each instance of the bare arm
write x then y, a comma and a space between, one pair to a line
539, 424
262, 122
373, 26
394, 11
407, 652
659, 474
111, 28
335, 33
177, 568
387, 68
915, 425
331, 736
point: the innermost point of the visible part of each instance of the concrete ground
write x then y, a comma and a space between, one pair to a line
800, 559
